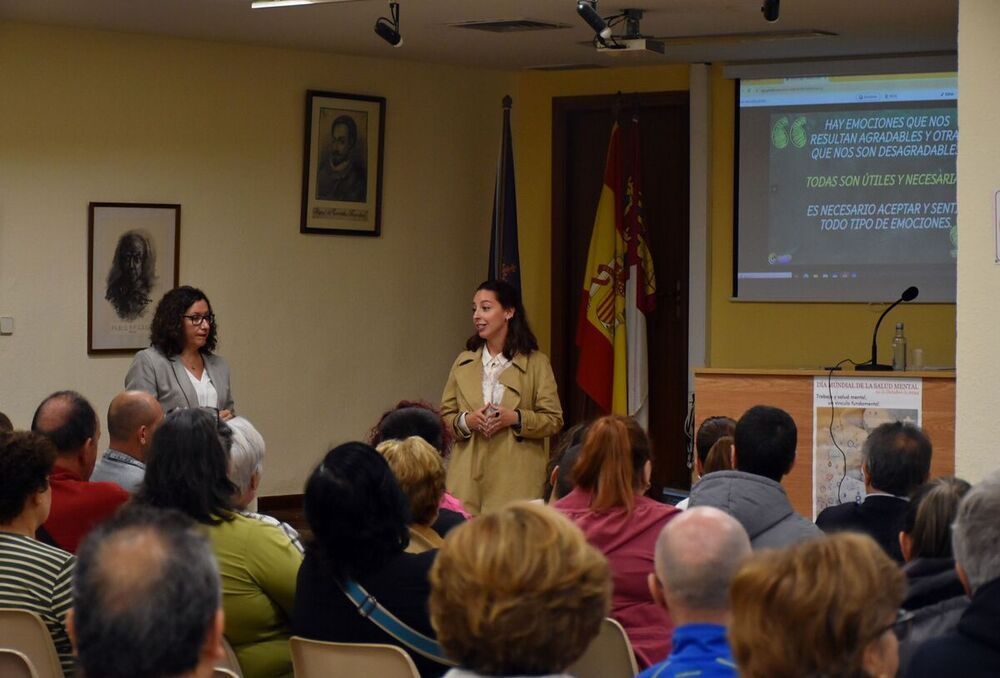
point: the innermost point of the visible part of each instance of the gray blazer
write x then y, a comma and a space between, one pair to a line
166, 379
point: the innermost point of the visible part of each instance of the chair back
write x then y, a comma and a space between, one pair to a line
319, 659
609, 655
14, 664
230, 663
25, 632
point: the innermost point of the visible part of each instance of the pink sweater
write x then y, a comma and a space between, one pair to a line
628, 541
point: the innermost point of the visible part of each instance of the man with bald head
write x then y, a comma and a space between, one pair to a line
69, 421
697, 555
132, 419
147, 600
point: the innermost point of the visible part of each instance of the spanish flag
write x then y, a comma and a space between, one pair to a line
619, 287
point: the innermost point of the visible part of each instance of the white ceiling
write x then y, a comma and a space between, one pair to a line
862, 26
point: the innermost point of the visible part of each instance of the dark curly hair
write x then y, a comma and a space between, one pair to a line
520, 338
188, 467
413, 418
25, 463
167, 329
356, 510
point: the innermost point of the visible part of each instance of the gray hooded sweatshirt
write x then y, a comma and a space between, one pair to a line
759, 503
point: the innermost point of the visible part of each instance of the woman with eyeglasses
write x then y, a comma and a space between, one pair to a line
180, 367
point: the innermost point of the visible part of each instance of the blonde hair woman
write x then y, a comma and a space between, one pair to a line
822, 608
517, 592
420, 474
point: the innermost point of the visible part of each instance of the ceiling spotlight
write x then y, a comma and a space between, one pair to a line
587, 9
770, 10
388, 29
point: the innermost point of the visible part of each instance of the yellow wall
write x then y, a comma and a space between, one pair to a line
322, 333
978, 274
743, 334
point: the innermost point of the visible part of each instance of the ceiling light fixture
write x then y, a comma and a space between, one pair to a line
269, 4
587, 9
388, 29
770, 10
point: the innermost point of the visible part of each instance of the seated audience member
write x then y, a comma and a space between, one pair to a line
187, 470
5, 424
517, 592
68, 420
935, 598
358, 516
33, 576
246, 466
132, 419
562, 460
973, 648
697, 555
821, 608
709, 433
418, 418
420, 474
895, 460
611, 474
146, 598
764, 451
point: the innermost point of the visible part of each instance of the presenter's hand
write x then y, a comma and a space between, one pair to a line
499, 418
225, 415
476, 419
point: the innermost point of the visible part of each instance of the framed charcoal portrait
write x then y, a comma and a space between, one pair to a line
342, 166
132, 260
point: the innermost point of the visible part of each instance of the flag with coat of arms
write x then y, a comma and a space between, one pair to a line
619, 287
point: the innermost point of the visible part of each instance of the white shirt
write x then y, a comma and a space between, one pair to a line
493, 390
204, 388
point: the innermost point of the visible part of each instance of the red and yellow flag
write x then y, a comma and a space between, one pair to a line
618, 288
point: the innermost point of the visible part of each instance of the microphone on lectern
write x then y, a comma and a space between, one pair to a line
909, 294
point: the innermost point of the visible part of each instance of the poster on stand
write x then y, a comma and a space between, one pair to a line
845, 411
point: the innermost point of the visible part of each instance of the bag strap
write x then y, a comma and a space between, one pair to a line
369, 608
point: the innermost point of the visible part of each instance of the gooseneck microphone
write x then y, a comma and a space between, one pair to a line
909, 294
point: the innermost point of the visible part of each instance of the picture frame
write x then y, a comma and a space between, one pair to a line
133, 258
342, 164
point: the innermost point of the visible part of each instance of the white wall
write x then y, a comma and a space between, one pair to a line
322, 333
978, 318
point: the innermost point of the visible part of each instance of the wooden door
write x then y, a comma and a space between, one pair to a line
581, 129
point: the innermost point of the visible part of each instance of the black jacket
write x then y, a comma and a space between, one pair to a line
880, 516
972, 649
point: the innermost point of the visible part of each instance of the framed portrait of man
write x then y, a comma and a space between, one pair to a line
132, 260
342, 167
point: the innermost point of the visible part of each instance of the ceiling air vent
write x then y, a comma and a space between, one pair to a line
508, 25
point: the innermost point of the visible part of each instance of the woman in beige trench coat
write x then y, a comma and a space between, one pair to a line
501, 401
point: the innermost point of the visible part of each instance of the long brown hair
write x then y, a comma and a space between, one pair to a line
611, 461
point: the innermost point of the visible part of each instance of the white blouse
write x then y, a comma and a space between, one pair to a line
493, 390
204, 388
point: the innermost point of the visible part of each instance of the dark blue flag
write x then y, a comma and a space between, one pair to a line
505, 262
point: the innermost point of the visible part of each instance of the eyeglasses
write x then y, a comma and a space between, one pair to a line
198, 319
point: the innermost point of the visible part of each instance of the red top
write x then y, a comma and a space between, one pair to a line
78, 506
628, 540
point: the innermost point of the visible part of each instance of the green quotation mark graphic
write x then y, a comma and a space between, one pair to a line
799, 132
782, 132
779, 132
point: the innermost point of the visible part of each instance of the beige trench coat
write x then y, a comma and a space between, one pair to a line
486, 473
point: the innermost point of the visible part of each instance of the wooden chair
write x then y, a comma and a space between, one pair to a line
26, 633
230, 663
14, 664
319, 659
609, 655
